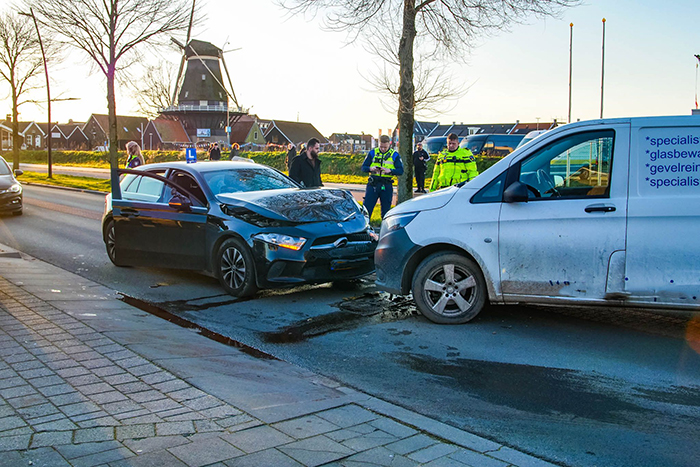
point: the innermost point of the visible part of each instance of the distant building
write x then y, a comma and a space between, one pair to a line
165, 133
32, 135
69, 136
280, 133
128, 129
247, 133
351, 143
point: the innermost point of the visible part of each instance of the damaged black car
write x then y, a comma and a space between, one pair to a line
247, 224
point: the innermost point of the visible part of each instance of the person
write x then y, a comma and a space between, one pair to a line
382, 164
306, 167
235, 149
453, 165
420, 163
291, 154
133, 155
215, 153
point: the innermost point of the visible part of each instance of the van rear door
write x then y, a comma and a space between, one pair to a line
560, 242
663, 251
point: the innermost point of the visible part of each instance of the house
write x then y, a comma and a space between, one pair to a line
247, 132
5, 136
351, 143
525, 128
69, 136
280, 133
165, 133
128, 129
33, 136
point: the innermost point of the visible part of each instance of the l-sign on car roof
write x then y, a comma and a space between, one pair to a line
245, 223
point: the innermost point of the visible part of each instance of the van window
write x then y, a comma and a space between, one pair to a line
493, 192
578, 166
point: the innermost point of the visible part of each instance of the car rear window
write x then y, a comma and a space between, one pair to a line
246, 179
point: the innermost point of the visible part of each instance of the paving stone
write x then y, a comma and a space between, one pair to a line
305, 427
157, 377
174, 428
203, 403
102, 458
120, 407
26, 361
91, 435
159, 443
52, 438
469, 457
10, 423
17, 391
258, 439
172, 385
71, 451
378, 457
433, 452
221, 411
351, 432
73, 371
57, 365
89, 416
97, 363
41, 457
183, 416
161, 405
206, 451
146, 396
6, 409
107, 397
25, 430
392, 427
56, 390
131, 387
203, 426
7, 372
412, 444
269, 457
102, 421
27, 401
46, 418
133, 362
110, 370
13, 443
518, 458
79, 409
369, 441
12, 382
46, 381
152, 459
95, 388
83, 380
144, 418
58, 425
136, 431
185, 394
37, 411
36, 373
69, 398
238, 422
316, 451
143, 370
348, 415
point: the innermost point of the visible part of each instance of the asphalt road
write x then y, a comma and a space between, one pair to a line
575, 387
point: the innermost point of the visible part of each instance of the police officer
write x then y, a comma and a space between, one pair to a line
453, 165
382, 164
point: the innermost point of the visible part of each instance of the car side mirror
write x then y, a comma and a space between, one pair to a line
18, 172
180, 203
516, 193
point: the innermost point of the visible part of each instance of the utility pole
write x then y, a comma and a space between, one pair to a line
571, 43
602, 72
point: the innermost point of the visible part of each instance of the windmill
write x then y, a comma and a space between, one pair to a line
200, 99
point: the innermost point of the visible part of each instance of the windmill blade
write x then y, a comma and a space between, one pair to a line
232, 50
184, 55
189, 28
179, 75
228, 76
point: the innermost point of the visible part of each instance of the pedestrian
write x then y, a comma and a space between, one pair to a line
235, 149
215, 153
133, 155
306, 167
291, 154
382, 164
453, 165
420, 163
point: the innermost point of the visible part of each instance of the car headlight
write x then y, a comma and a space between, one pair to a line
282, 241
397, 222
15, 188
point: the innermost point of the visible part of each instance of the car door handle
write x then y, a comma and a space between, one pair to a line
126, 212
600, 208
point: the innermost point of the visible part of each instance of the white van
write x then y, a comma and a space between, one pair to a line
603, 212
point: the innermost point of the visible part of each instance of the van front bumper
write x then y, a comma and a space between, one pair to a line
393, 252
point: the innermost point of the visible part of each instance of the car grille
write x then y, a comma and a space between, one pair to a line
354, 237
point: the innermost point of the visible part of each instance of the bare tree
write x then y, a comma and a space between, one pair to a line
110, 32
441, 28
154, 89
20, 63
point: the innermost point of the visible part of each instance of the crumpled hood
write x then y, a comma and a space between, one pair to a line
296, 204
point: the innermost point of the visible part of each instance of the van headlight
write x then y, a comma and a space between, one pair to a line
397, 222
282, 241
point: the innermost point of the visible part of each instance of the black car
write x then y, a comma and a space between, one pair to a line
247, 224
10, 190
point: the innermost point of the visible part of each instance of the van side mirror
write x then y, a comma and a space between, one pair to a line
516, 193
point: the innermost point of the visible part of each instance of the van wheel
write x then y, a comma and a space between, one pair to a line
235, 269
449, 288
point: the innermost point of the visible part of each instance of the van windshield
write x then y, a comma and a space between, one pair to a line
434, 146
475, 145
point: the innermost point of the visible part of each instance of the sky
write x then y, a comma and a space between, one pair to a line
290, 68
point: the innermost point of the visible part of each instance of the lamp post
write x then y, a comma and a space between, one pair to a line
602, 72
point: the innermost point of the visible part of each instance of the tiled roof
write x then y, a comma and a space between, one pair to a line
296, 132
170, 131
127, 126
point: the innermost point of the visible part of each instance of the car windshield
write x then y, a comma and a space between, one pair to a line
4, 168
246, 179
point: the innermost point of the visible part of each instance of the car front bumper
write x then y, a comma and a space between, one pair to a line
394, 251
10, 202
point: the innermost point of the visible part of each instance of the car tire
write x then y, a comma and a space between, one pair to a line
449, 288
110, 243
235, 268
17, 213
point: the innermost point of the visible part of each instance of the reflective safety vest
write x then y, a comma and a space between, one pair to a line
133, 161
385, 160
453, 167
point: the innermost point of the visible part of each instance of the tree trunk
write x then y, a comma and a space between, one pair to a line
16, 138
112, 108
406, 100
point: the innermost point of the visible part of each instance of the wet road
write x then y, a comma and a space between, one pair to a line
575, 387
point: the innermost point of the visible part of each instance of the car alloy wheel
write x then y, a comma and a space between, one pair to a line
235, 268
449, 288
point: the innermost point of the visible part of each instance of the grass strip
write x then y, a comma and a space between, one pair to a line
83, 183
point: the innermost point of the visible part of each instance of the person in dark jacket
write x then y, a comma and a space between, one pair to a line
215, 153
306, 167
420, 163
291, 154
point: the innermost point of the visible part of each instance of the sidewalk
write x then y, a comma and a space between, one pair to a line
86, 379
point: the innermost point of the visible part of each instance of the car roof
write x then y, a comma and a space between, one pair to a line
202, 167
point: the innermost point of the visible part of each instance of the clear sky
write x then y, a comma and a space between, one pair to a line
289, 68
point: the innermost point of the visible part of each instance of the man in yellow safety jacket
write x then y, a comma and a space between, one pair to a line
453, 165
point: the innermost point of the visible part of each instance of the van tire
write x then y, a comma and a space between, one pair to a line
235, 268
449, 288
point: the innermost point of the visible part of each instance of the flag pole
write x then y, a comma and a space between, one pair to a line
602, 72
571, 42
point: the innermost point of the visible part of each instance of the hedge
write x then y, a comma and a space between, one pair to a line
332, 163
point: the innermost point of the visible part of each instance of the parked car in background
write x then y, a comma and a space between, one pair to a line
246, 224
434, 144
491, 145
530, 136
10, 189
598, 213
